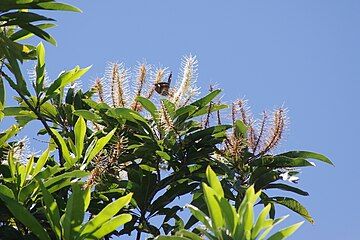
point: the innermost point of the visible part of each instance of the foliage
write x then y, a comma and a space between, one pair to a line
108, 147
225, 222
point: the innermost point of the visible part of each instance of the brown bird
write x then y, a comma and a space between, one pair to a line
162, 88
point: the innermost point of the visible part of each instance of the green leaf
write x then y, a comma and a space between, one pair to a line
200, 215
281, 161
28, 169
149, 106
307, 154
40, 68
9, 133
4, 190
171, 238
163, 155
111, 225
214, 182
16, 111
274, 223
58, 6
285, 187
261, 222
2, 94
75, 212
286, 232
24, 34
13, 66
15, 18
25, 217
51, 210
202, 102
190, 235
231, 216
240, 128
64, 79
248, 220
80, 132
171, 193
294, 205
86, 114
214, 208
266, 178
67, 175
41, 162
65, 151
104, 216
100, 144
38, 32
205, 110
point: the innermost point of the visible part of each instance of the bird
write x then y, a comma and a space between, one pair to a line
162, 88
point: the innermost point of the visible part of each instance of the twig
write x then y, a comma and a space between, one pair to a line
42, 120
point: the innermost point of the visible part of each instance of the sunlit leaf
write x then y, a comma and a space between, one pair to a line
25, 217
80, 131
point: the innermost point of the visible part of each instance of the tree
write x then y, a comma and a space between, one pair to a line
126, 158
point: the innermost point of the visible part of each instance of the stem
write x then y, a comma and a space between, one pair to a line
43, 121
138, 234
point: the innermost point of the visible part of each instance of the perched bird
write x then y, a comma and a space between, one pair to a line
162, 88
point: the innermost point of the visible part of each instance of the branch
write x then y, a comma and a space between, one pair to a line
42, 120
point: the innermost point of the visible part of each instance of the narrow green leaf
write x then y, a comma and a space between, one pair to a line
15, 18
111, 225
80, 132
41, 162
38, 32
100, 144
190, 235
240, 128
65, 151
64, 79
40, 68
15, 69
2, 94
200, 215
281, 161
24, 34
265, 179
75, 212
307, 154
51, 210
286, 232
202, 102
285, 187
9, 133
86, 114
248, 220
261, 222
171, 238
230, 215
163, 155
149, 106
58, 6
274, 223
205, 110
28, 169
25, 217
67, 175
214, 182
104, 216
293, 205
214, 209
4, 190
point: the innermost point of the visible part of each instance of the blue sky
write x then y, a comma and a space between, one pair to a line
303, 54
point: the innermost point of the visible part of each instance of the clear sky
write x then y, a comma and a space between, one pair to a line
300, 53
